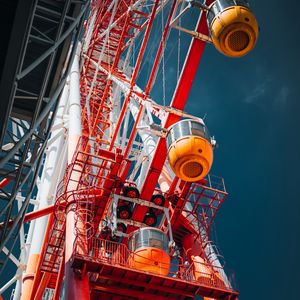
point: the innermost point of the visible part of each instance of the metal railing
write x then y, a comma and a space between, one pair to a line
216, 182
116, 254
203, 203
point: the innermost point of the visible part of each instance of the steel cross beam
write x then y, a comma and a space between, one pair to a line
39, 101
20, 163
19, 35
134, 77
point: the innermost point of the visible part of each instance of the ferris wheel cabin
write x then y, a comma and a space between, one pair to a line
150, 252
190, 151
233, 27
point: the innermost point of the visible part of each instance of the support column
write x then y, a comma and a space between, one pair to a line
76, 285
52, 172
28, 278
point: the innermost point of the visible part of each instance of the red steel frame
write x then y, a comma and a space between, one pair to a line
91, 200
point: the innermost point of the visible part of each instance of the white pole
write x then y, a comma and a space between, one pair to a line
115, 112
49, 182
74, 106
17, 291
46, 188
208, 250
8, 284
11, 256
125, 129
90, 29
149, 141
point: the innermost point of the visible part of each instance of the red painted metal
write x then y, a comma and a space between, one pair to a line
39, 213
99, 170
132, 83
36, 214
111, 266
39, 272
205, 202
4, 182
179, 99
59, 280
113, 67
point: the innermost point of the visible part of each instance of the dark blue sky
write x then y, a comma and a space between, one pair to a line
252, 107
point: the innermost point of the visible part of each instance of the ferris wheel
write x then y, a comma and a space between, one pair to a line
125, 197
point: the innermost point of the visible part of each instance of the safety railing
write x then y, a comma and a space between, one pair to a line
109, 252
207, 275
216, 182
85, 188
203, 203
116, 254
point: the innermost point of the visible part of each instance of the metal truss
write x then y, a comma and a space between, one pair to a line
122, 142
36, 67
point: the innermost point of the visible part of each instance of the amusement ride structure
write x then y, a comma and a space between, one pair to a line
105, 191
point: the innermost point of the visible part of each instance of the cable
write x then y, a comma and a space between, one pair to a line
178, 51
163, 57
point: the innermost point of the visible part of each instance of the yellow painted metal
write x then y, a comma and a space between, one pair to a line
190, 157
234, 31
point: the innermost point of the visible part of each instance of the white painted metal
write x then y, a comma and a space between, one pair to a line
209, 250
9, 283
158, 10
125, 129
115, 112
47, 187
112, 25
73, 219
22, 236
149, 141
213, 257
165, 181
11, 257
86, 41
55, 162
74, 100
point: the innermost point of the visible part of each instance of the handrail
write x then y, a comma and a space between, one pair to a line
114, 253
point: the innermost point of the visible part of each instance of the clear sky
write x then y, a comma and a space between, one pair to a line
253, 108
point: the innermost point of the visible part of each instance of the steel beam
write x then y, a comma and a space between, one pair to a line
20, 34
21, 162
178, 102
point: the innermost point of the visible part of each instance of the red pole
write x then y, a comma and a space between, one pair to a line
4, 182
179, 99
59, 280
39, 213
